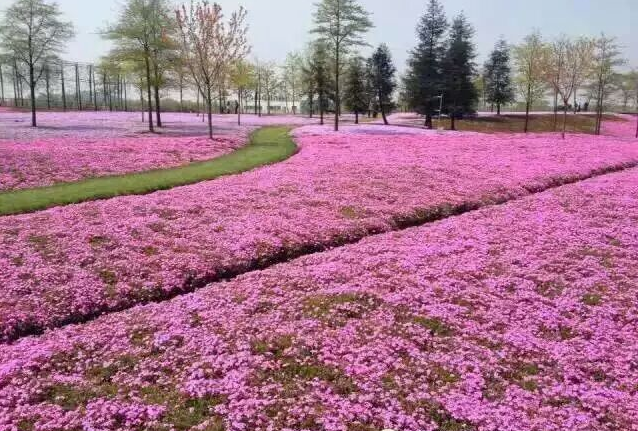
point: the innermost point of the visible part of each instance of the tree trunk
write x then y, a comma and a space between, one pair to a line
210, 113
428, 121
95, 91
564, 118
453, 120
321, 103
337, 98
78, 90
498, 109
385, 119
142, 97
63, 89
310, 101
1, 87
356, 117
47, 79
527, 106
104, 95
555, 109
34, 122
181, 92
148, 94
239, 108
125, 95
158, 108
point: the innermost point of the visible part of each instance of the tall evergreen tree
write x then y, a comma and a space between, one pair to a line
383, 79
498, 77
319, 73
460, 94
341, 25
423, 81
355, 92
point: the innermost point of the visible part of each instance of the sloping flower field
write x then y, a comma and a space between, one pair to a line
519, 317
16, 125
625, 127
49, 161
71, 263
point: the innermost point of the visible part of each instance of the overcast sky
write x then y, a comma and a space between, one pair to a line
281, 26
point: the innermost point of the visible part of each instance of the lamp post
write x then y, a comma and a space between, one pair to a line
440, 109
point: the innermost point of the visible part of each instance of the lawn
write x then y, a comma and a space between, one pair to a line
267, 145
514, 123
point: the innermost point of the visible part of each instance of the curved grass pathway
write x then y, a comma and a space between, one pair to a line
267, 145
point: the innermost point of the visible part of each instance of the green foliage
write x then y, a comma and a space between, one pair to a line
497, 74
382, 79
460, 94
340, 24
355, 93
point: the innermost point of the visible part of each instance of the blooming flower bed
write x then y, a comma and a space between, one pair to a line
625, 127
68, 264
16, 125
516, 317
49, 161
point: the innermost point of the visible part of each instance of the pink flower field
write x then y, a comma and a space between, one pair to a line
49, 161
518, 317
87, 125
72, 263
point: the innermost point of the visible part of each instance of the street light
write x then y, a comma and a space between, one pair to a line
440, 109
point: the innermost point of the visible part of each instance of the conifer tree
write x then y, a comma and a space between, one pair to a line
383, 79
460, 95
498, 77
355, 91
340, 24
423, 80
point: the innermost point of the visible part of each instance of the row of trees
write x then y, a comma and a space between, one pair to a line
197, 52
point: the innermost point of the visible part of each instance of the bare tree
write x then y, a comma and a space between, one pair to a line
528, 58
32, 31
553, 68
606, 58
211, 46
568, 66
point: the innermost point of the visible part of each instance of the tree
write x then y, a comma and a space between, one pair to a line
606, 58
210, 46
318, 73
575, 65
625, 83
292, 77
460, 95
242, 77
33, 31
355, 93
383, 80
133, 38
423, 81
497, 75
341, 24
553, 67
269, 83
528, 57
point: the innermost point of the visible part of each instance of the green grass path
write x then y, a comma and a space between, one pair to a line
267, 145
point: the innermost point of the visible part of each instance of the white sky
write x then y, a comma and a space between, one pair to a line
280, 26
